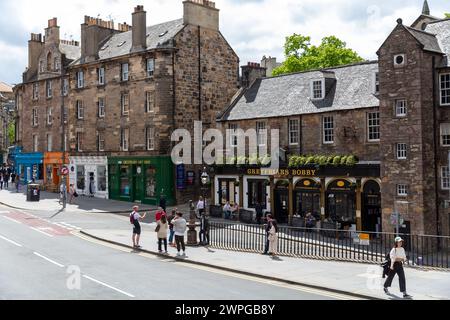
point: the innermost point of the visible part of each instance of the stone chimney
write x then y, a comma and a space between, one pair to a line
251, 72
269, 63
35, 47
93, 32
139, 29
52, 31
201, 13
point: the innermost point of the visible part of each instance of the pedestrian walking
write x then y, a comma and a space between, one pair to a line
204, 230
161, 229
162, 202
62, 192
201, 206
6, 182
268, 227
259, 212
91, 187
179, 226
398, 257
273, 238
1, 181
13, 178
73, 193
227, 210
171, 231
135, 217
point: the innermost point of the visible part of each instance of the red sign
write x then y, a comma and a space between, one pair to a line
64, 171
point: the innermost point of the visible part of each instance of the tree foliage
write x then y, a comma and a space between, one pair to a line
301, 55
447, 15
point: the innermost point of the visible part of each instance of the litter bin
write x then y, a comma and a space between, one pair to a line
33, 192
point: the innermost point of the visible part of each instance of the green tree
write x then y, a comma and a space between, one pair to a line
301, 55
447, 15
12, 132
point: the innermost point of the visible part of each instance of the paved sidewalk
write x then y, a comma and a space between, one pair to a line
363, 279
49, 202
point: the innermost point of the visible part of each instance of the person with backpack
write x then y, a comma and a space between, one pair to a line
179, 226
134, 220
397, 258
161, 229
273, 238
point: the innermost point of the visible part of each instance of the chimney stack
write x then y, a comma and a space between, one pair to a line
52, 31
251, 72
35, 47
93, 32
201, 13
139, 29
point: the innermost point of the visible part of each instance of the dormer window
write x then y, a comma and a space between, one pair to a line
317, 89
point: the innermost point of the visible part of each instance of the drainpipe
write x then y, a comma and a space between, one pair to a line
436, 170
199, 77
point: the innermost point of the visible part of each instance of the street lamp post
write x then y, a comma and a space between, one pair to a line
205, 179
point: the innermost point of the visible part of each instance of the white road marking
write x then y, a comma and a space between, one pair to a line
49, 260
2, 212
11, 219
10, 241
40, 231
108, 286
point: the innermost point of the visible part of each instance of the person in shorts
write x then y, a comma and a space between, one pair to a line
134, 218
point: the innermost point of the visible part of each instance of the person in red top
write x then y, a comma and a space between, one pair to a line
159, 213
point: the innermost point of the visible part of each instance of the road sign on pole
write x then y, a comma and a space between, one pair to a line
64, 171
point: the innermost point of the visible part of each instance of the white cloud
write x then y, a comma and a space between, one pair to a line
254, 28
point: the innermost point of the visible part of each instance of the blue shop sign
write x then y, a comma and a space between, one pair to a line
181, 177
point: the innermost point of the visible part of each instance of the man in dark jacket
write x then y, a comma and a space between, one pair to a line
268, 227
259, 212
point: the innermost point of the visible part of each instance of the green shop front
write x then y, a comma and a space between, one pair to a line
141, 179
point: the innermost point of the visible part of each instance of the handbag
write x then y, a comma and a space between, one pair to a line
157, 228
75, 194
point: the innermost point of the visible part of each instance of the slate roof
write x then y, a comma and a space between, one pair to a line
441, 29
428, 40
5, 87
159, 35
288, 95
71, 52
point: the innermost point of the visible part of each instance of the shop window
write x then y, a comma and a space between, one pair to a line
256, 193
80, 178
150, 185
101, 178
125, 181
227, 191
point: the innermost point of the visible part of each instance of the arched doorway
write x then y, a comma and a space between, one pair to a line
307, 198
281, 195
341, 202
371, 207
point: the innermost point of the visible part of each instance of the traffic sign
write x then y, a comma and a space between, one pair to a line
64, 171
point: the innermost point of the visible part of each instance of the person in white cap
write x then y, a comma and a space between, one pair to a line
398, 257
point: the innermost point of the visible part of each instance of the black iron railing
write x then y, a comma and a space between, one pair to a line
369, 247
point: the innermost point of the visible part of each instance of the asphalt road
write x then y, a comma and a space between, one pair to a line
43, 260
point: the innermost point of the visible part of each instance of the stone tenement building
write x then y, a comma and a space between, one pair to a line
391, 113
6, 116
129, 88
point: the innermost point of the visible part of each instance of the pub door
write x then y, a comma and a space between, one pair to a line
281, 194
371, 207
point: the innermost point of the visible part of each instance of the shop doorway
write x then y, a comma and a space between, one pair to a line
281, 194
371, 207
341, 203
307, 198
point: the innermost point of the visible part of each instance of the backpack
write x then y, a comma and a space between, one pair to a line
386, 265
132, 218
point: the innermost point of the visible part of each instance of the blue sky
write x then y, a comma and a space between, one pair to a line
253, 27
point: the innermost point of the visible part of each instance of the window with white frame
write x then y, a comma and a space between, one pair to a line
233, 127
328, 129
65, 88
373, 126
401, 151
35, 143
402, 190
125, 103
445, 134
49, 115
261, 133
35, 117
294, 129
125, 139
150, 135
149, 101
49, 143
80, 110
317, 89
445, 88
56, 63
100, 141
101, 76
80, 79
150, 67
445, 178
401, 108
376, 83
101, 107
35, 91
48, 86
124, 73
79, 141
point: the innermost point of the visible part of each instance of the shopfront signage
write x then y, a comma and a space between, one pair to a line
282, 172
131, 162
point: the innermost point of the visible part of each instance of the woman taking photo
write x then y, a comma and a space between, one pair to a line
398, 257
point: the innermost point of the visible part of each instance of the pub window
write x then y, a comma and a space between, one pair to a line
101, 178
80, 178
80, 79
101, 107
373, 125
261, 133
149, 101
400, 108
150, 67
293, 131
124, 72
125, 102
317, 89
445, 89
100, 141
328, 130
402, 190
445, 134
79, 141
401, 151
445, 178
124, 139
257, 193
150, 185
80, 110
233, 127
